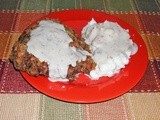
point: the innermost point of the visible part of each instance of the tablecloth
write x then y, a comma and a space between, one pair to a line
20, 101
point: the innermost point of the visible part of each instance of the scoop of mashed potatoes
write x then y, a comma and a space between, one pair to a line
111, 47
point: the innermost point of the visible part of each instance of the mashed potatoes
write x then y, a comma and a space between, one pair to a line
110, 45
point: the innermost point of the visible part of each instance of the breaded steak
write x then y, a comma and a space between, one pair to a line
24, 61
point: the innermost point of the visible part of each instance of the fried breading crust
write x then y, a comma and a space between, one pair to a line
24, 61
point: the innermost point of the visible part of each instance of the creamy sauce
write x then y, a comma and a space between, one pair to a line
50, 43
110, 45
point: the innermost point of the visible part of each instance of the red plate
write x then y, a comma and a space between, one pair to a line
83, 90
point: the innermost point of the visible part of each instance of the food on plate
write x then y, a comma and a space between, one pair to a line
51, 49
111, 47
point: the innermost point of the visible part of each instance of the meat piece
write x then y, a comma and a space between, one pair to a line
81, 67
24, 61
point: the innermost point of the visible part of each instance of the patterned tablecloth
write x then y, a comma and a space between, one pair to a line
20, 101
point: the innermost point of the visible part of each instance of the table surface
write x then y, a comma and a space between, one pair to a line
20, 101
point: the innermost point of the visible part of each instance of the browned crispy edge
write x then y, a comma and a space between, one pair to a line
24, 61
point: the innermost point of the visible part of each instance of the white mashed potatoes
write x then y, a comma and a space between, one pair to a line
110, 45
50, 43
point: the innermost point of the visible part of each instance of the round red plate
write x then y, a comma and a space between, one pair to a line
83, 90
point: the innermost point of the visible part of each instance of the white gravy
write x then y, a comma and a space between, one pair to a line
50, 43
